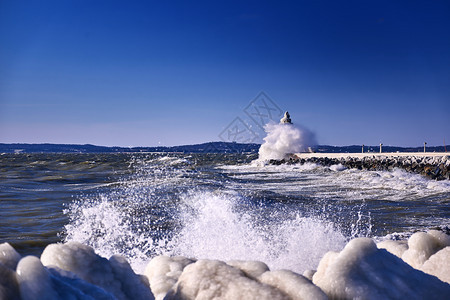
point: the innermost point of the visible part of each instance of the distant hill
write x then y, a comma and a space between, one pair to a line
211, 147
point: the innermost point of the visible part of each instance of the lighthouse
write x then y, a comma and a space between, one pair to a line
286, 119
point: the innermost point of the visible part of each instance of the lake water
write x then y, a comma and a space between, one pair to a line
208, 206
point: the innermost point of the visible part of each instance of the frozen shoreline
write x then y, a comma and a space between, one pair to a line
374, 154
435, 165
418, 269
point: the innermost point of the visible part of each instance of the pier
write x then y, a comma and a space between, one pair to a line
374, 154
434, 165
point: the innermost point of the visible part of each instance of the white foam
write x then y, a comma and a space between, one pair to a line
171, 160
105, 227
215, 228
113, 223
396, 185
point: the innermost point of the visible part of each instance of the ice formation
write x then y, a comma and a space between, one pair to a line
9, 256
286, 119
426, 251
114, 275
360, 271
163, 273
212, 279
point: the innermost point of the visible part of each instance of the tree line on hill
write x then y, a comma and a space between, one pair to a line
211, 147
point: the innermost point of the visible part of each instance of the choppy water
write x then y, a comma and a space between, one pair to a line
208, 206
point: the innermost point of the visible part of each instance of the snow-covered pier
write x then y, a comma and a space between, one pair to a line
435, 165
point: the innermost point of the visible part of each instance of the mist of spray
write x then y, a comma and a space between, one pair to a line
284, 139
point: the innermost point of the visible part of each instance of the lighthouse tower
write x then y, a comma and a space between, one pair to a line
286, 119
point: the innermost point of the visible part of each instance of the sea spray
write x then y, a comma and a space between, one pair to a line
105, 226
213, 225
132, 217
283, 139
216, 227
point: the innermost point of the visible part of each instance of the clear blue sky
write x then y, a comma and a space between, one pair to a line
144, 73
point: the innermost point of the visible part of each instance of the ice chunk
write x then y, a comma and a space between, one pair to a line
422, 245
395, 247
309, 274
250, 268
134, 286
292, 284
9, 256
69, 286
34, 280
338, 167
114, 276
439, 265
209, 279
9, 287
442, 238
163, 272
363, 271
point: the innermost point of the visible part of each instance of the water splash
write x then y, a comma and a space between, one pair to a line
132, 217
284, 139
215, 227
103, 225
162, 209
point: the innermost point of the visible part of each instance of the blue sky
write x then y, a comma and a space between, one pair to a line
146, 73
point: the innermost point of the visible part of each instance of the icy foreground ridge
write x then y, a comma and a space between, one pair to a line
362, 270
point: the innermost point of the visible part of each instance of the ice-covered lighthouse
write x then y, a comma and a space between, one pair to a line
286, 119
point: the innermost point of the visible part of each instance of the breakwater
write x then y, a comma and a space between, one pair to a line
432, 165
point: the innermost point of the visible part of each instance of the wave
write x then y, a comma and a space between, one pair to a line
211, 224
284, 139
